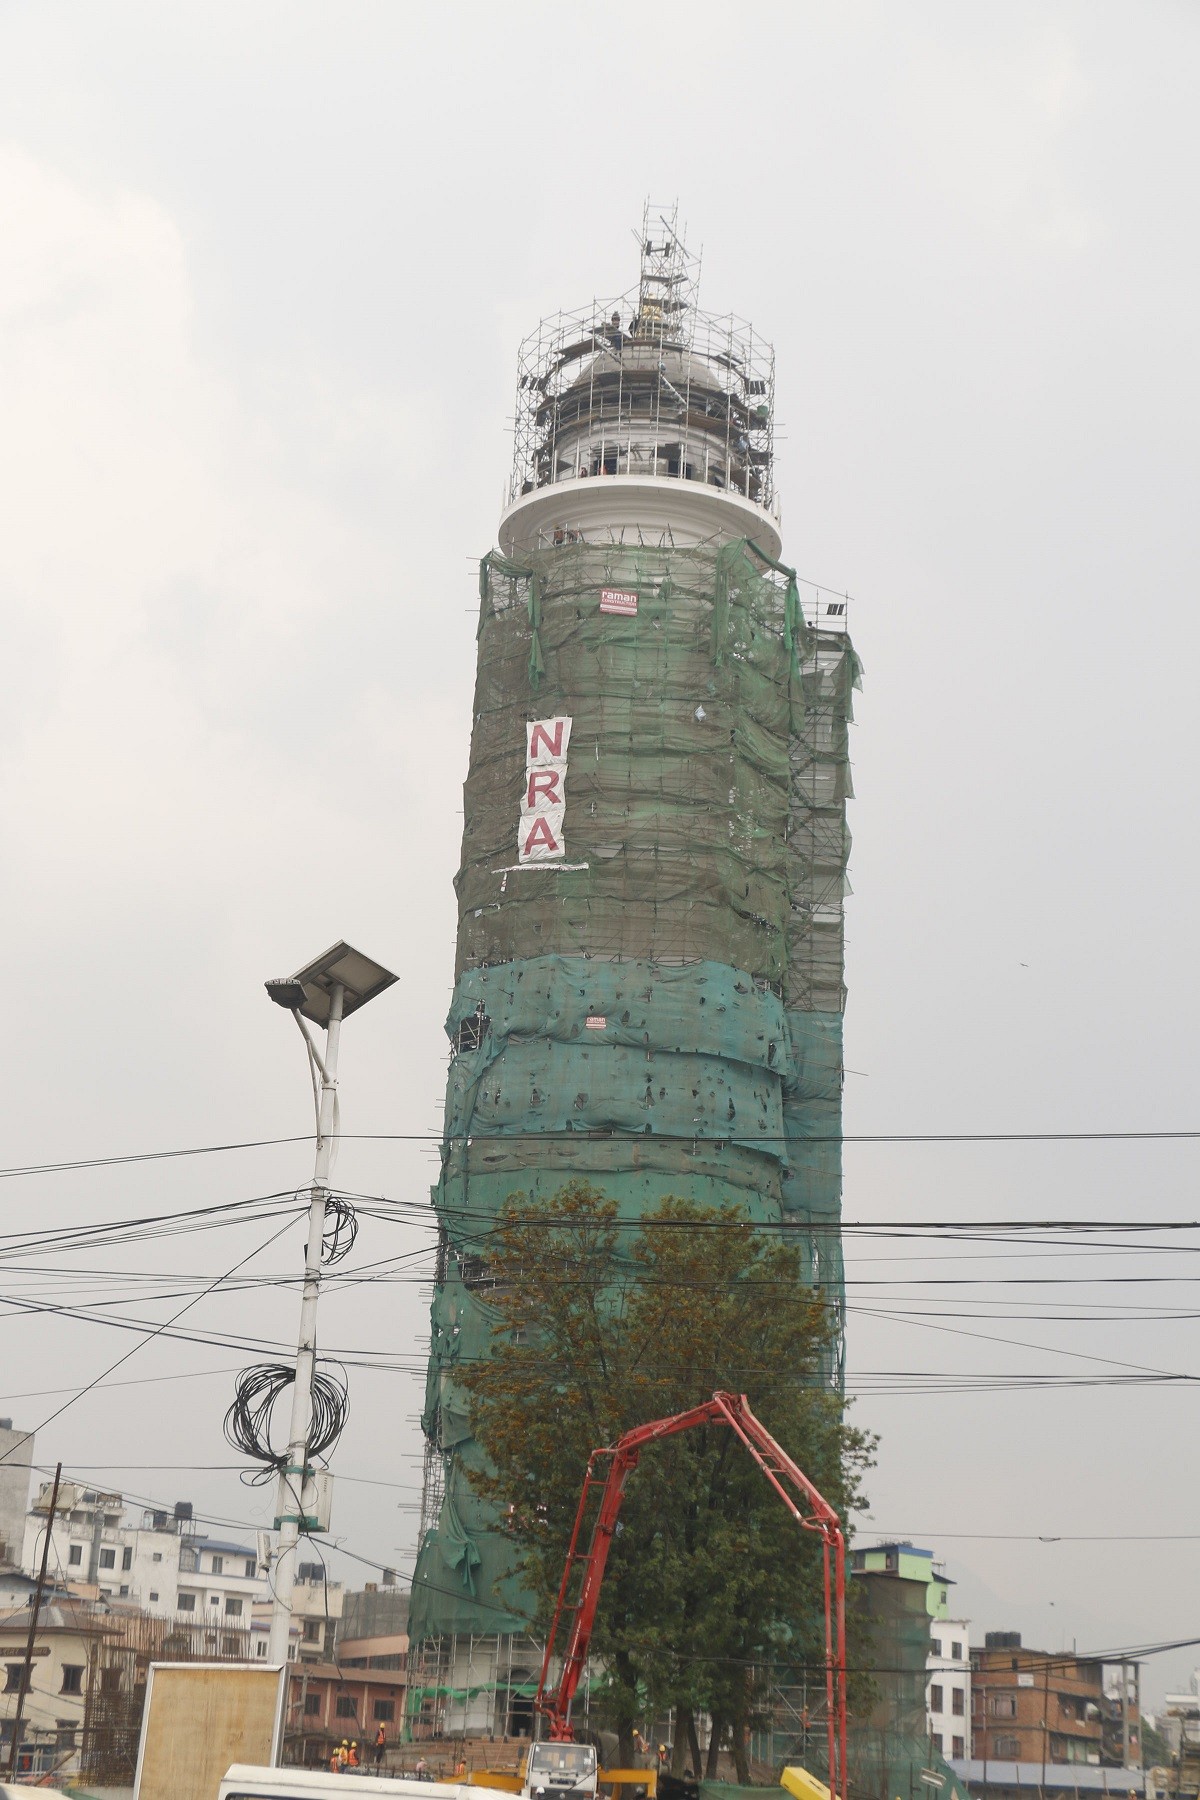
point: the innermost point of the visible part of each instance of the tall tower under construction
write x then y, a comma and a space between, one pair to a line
649, 978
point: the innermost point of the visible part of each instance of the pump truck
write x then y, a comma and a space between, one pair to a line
807, 1507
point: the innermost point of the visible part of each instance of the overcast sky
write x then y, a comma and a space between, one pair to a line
265, 268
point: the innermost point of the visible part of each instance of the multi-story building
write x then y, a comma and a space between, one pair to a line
52, 1717
328, 1702
316, 1617
374, 1629
1039, 1707
16, 1456
948, 1656
948, 1691
150, 1559
220, 1579
904, 1605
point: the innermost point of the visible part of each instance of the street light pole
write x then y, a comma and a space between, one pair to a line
325, 991
295, 1477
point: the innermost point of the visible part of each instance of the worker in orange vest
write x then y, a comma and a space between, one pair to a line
352, 1759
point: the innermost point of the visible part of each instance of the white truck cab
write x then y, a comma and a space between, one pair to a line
553, 1770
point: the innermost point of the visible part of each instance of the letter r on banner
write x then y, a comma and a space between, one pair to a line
545, 789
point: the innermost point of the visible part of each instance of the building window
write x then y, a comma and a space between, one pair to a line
12, 1677
384, 1711
936, 1701
185, 1602
153, 1594
124, 1590
233, 1607
127, 1557
188, 1563
251, 1568
956, 1651
65, 1734
72, 1681
260, 1649
347, 1707
312, 1703
1004, 1706
937, 1646
957, 1702
1006, 1747
214, 1599
312, 1631
218, 1565
108, 1559
229, 1644
157, 1557
935, 1738
960, 1749
75, 1554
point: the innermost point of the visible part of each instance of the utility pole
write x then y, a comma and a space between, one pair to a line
295, 1475
1045, 1724
325, 991
33, 1625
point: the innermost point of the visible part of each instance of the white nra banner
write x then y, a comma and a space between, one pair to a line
544, 797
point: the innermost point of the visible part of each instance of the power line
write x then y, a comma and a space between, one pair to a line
195, 1301
1181, 1135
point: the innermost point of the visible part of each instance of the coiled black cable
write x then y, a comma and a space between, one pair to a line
248, 1420
341, 1229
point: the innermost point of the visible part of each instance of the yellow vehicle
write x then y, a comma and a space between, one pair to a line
629, 1784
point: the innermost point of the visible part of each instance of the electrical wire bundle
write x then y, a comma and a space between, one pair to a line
341, 1229
248, 1421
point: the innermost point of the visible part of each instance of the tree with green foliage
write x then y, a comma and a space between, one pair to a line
602, 1324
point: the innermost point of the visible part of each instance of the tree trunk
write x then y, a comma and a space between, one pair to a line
716, 1733
693, 1746
625, 1744
679, 1739
741, 1761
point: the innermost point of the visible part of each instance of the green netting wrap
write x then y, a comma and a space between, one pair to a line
679, 791
889, 1754
659, 1010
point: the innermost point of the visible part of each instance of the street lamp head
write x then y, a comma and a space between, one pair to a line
310, 990
289, 994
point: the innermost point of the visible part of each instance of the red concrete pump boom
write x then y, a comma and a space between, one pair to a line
803, 1502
